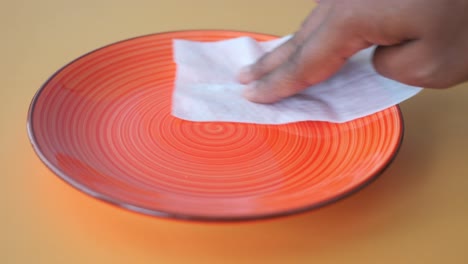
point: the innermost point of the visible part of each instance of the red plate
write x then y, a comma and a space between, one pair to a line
103, 124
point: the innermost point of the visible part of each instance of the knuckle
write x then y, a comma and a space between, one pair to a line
297, 68
345, 15
296, 39
295, 62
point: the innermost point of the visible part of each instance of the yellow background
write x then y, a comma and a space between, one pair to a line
417, 212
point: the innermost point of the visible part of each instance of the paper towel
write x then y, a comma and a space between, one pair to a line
206, 88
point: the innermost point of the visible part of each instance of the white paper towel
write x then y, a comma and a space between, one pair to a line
206, 88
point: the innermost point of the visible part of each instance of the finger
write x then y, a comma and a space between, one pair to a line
273, 59
415, 63
321, 55
268, 61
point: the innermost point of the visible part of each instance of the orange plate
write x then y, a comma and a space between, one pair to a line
103, 124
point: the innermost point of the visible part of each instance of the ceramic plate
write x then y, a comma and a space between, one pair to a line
103, 124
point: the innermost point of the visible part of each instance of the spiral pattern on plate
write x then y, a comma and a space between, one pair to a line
103, 123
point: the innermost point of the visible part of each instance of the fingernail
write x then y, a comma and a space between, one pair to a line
250, 90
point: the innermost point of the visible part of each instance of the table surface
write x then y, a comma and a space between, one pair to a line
417, 212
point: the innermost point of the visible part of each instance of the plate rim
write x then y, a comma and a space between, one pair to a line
193, 217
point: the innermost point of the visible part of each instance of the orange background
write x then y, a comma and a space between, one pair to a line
417, 212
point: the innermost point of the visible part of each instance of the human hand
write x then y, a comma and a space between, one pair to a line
419, 42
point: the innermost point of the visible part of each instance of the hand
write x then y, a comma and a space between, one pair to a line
419, 42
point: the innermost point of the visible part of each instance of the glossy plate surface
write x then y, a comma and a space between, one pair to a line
103, 124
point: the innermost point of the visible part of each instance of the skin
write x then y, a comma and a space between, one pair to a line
419, 42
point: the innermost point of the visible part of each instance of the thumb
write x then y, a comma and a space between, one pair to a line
418, 63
